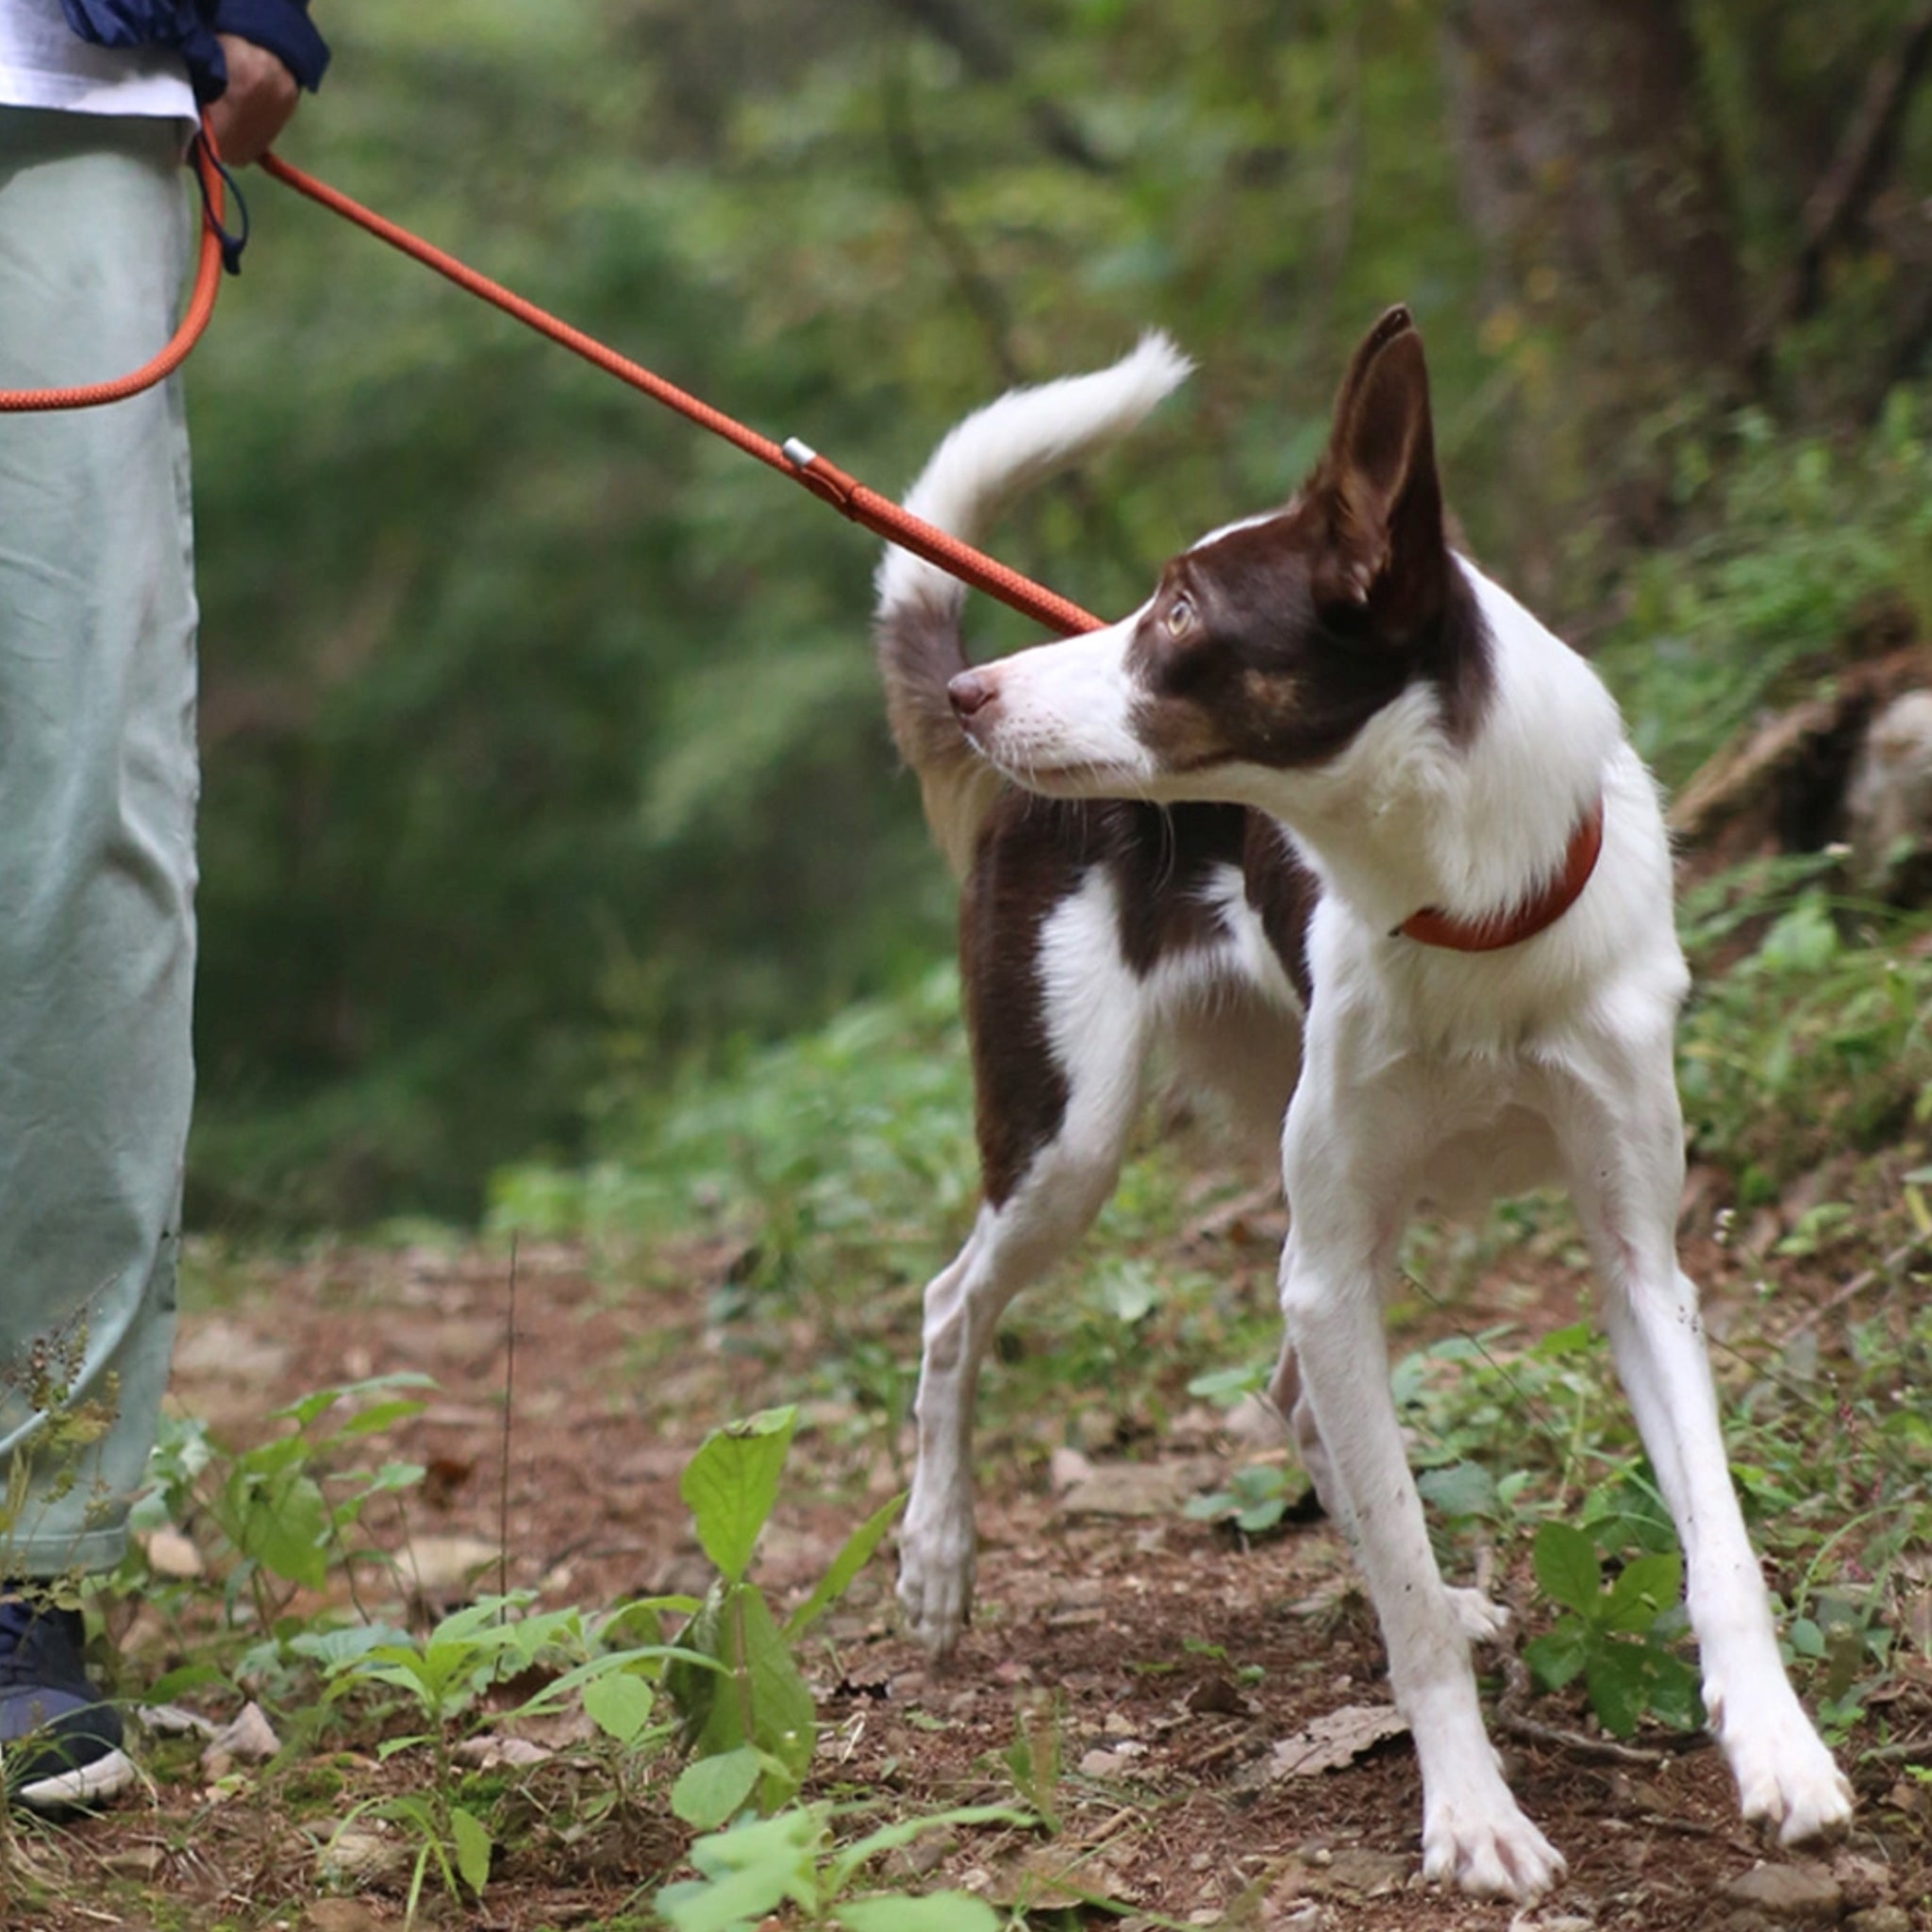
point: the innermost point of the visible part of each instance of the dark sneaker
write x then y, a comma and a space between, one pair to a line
60, 1744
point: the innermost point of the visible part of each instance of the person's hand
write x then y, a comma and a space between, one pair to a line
257, 104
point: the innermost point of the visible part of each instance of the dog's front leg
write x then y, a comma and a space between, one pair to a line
1346, 1218
1623, 1146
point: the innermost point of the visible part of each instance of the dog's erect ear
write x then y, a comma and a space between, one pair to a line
1384, 556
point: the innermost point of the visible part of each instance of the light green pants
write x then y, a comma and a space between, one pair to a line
98, 781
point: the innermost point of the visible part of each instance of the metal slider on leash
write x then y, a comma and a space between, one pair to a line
884, 518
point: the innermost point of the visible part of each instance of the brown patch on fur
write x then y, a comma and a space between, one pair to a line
1163, 860
1276, 643
1031, 856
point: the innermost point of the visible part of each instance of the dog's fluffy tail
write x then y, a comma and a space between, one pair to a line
988, 460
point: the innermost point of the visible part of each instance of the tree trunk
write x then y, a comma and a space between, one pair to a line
1587, 171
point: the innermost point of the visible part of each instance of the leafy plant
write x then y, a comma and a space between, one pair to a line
1818, 1039
1617, 1638
442, 1675
282, 1509
763, 1864
1257, 1497
742, 1698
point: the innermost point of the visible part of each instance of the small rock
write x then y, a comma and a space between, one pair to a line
344, 1915
248, 1738
1066, 1469
490, 1751
362, 1857
1889, 800
135, 1861
171, 1554
1130, 1489
1791, 1894
1358, 1874
1865, 1881
175, 1720
1879, 1918
439, 1567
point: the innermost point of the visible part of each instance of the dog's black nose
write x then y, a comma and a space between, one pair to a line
971, 691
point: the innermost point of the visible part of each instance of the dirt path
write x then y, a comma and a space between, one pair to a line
1150, 1666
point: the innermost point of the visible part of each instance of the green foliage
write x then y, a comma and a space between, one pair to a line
543, 748
1036, 1759
1816, 1042
1258, 1496
763, 1864
1796, 542
739, 1694
1617, 1638
283, 1510
441, 1678
851, 1143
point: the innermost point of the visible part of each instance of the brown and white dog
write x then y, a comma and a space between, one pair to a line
1337, 820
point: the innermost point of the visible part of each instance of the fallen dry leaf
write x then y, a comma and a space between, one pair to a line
1337, 1739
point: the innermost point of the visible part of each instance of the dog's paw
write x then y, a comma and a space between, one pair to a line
935, 1589
1479, 1841
1482, 1620
1786, 1777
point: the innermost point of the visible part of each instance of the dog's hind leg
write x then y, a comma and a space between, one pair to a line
1623, 1147
1053, 1123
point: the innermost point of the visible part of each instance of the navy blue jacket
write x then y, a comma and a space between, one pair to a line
189, 27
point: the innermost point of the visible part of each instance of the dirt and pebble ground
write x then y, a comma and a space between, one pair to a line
1163, 1677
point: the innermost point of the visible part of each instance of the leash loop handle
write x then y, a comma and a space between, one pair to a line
218, 250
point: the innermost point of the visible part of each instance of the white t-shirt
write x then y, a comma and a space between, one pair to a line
44, 63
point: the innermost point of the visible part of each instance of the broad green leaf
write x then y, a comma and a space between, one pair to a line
762, 1700
1618, 1678
1806, 1639
1644, 1589
471, 1838
736, 1901
845, 1567
731, 1483
619, 1704
694, 1686
1464, 1488
285, 1529
902, 1831
1557, 1659
1567, 1567
749, 1871
710, 1791
940, 1911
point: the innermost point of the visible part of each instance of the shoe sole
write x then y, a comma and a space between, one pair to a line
81, 1785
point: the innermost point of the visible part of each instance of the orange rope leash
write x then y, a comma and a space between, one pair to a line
201, 306
803, 465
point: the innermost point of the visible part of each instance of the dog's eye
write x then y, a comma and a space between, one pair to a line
1180, 616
